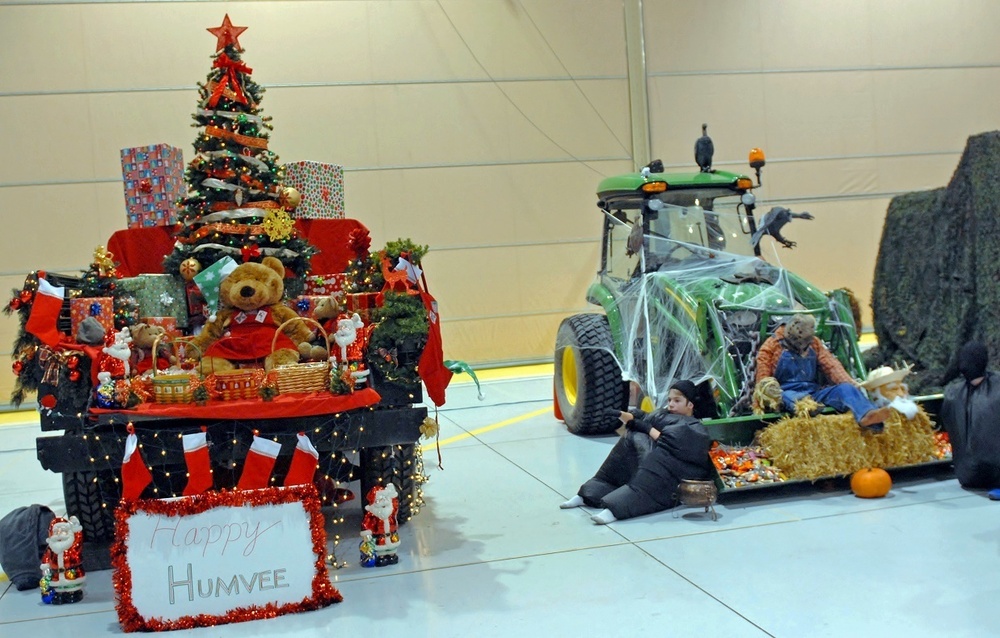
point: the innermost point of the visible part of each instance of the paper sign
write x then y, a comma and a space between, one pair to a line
220, 557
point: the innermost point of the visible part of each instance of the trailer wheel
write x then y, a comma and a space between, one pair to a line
588, 380
92, 497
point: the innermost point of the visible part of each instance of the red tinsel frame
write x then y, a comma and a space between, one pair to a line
324, 593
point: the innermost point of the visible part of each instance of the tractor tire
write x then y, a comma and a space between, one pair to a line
92, 497
588, 380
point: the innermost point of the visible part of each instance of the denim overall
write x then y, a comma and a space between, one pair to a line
797, 375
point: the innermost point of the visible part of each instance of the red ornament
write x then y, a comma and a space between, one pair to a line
145, 186
227, 34
26, 296
15, 303
17, 366
74, 375
72, 363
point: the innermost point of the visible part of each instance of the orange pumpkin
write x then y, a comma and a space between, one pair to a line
871, 483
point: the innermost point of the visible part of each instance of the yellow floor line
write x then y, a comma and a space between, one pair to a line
492, 374
20, 417
487, 428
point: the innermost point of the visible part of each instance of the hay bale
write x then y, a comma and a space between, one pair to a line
832, 444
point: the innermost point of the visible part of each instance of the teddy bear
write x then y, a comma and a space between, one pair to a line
250, 314
144, 335
326, 312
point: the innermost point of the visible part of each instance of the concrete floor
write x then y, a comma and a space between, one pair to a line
491, 553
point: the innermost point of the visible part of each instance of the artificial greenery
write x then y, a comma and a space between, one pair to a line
240, 174
364, 274
398, 338
394, 249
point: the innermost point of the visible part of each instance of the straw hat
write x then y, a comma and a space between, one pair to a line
885, 375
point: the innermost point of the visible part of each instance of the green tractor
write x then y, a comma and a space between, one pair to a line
685, 295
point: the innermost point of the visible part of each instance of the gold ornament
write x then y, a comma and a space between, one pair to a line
105, 262
278, 224
289, 198
189, 268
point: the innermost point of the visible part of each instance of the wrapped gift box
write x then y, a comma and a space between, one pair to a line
362, 303
195, 300
153, 181
321, 187
323, 284
100, 308
158, 296
169, 325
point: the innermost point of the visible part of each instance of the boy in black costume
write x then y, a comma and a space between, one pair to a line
970, 413
644, 468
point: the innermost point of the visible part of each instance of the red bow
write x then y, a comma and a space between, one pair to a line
229, 78
359, 241
250, 252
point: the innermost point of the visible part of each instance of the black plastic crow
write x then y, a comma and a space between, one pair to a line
772, 222
704, 150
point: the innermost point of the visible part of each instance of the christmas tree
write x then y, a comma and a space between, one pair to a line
236, 204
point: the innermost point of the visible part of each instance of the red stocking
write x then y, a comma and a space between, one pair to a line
135, 474
304, 461
431, 365
198, 465
260, 461
43, 319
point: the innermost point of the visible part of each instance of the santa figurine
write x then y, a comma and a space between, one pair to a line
379, 525
62, 570
351, 337
113, 364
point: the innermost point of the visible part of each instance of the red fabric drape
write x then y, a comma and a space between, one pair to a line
283, 405
140, 251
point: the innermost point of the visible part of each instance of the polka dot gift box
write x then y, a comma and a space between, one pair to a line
321, 187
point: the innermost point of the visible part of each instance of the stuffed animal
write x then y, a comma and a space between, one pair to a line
144, 335
326, 312
250, 314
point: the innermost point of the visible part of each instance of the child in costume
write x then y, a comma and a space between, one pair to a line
645, 467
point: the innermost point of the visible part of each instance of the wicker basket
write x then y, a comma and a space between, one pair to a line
172, 388
303, 377
243, 383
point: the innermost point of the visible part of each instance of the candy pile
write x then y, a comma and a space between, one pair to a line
943, 445
743, 466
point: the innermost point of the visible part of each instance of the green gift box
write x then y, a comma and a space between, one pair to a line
157, 296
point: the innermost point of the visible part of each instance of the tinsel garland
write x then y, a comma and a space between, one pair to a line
324, 593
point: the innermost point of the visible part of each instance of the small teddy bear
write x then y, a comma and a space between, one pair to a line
326, 312
144, 336
251, 312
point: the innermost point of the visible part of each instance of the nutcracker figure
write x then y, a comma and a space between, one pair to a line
379, 525
62, 570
